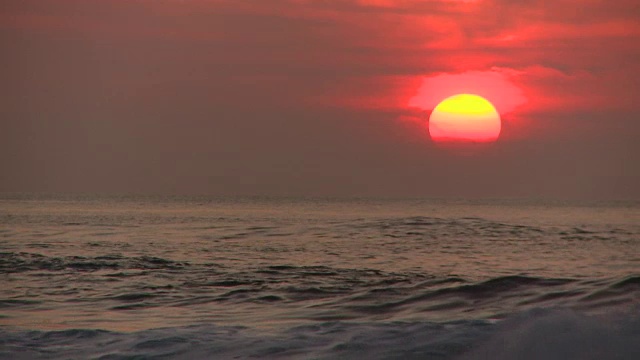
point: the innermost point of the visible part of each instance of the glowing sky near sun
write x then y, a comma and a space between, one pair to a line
316, 97
495, 84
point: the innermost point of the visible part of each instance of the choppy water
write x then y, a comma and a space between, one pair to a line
118, 277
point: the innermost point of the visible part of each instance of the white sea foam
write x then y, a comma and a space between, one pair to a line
563, 335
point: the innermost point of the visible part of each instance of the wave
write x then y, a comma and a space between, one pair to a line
121, 283
535, 334
11, 262
562, 334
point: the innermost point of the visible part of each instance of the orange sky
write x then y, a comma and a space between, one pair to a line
315, 97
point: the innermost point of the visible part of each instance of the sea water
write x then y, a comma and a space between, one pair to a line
118, 277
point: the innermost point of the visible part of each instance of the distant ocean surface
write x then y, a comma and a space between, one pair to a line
110, 277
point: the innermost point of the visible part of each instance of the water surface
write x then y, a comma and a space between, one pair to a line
299, 278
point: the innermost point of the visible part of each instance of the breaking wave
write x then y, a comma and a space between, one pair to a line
536, 334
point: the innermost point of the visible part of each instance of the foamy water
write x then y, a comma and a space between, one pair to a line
118, 277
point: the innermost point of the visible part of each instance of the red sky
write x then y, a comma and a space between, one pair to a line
317, 97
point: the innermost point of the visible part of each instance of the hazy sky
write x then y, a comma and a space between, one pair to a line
317, 97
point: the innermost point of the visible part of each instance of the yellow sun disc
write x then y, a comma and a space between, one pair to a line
465, 117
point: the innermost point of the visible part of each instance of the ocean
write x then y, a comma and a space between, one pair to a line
136, 277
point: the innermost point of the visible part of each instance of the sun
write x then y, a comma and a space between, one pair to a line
465, 118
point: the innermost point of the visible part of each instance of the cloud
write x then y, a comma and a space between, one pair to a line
495, 85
